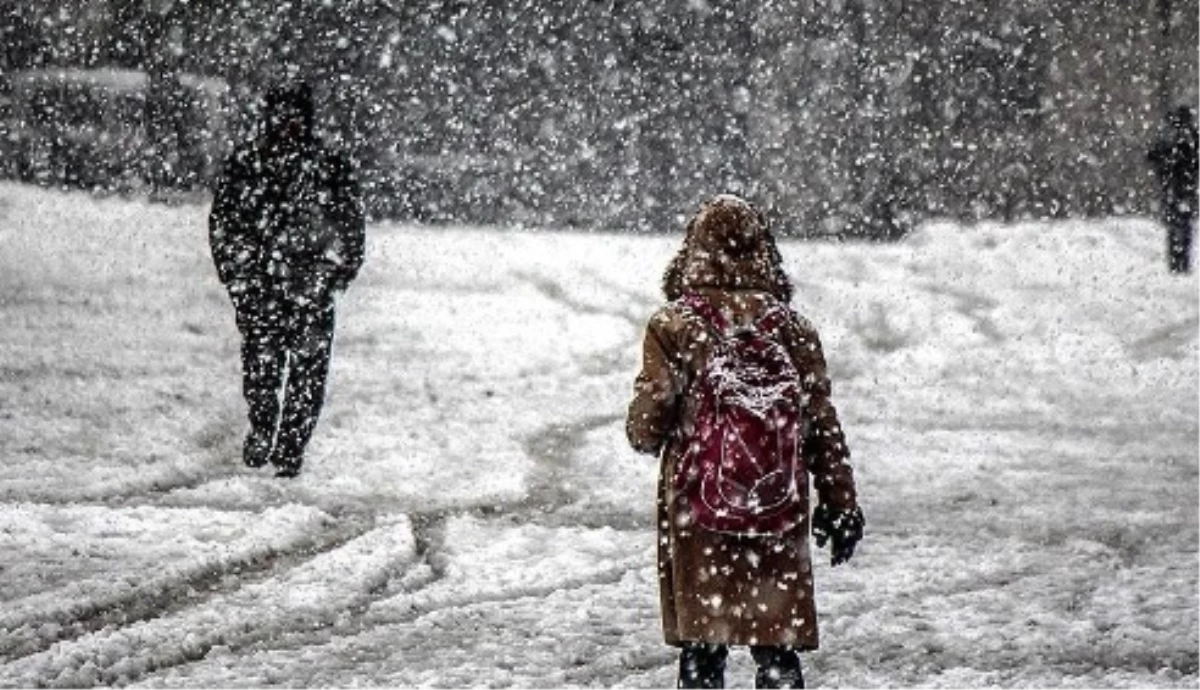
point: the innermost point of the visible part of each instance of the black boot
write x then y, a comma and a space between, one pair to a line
702, 666
287, 460
257, 448
778, 667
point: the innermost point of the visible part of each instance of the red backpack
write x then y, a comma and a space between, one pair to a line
738, 473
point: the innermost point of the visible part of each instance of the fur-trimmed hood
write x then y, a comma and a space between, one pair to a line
728, 246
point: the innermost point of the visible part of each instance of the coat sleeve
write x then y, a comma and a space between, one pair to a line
229, 239
351, 218
825, 444
653, 413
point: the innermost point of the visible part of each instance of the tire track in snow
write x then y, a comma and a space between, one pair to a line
88, 648
974, 307
552, 448
218, 458
423, 590
27, 633
365, 632
423, 602
553, 290
603, 361
312, 593
1166, 342
130, 494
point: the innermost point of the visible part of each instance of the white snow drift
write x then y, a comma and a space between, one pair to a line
1020, 401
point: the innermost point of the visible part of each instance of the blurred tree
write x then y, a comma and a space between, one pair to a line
845, 115
25, 45
1162, 51
164, 40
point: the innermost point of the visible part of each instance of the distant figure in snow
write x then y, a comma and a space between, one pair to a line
287, 236
1174, 158
733, 397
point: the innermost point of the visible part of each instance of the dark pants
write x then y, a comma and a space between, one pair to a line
703, 666
286, 346
1179, 242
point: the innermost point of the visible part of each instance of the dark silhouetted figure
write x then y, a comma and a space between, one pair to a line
1173, 156
287, 234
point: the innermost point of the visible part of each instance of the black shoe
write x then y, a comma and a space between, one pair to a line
778, 667
287, 463
257, 448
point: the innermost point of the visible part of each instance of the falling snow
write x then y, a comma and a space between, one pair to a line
1021, 401
965, 206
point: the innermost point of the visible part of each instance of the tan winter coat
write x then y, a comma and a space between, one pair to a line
719, 588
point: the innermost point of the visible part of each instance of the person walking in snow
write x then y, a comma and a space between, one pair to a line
1174, 158
287, 235
734, 399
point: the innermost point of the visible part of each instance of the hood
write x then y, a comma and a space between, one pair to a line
729, 246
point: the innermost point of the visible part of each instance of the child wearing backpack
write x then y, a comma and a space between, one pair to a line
733, 397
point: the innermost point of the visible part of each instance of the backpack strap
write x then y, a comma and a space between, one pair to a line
705, 310
775, 317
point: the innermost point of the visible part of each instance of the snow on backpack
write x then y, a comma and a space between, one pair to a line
738, 473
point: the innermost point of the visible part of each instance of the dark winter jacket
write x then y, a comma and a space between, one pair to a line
1174, 157
718, 588
287, 223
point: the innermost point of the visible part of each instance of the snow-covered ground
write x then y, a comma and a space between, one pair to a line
1021, 402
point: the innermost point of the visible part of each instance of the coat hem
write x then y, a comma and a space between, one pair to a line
679, 644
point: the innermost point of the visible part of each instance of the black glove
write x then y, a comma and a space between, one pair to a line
843, 531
